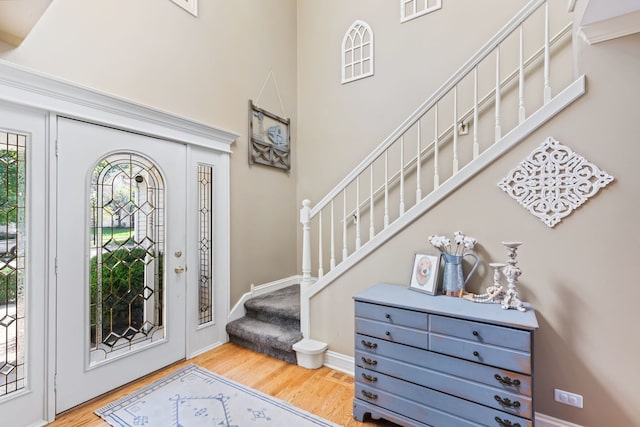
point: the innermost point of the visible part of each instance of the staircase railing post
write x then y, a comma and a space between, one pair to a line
305, 220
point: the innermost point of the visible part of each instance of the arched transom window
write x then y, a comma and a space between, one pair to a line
357, 52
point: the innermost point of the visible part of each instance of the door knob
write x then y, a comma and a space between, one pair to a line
180, 269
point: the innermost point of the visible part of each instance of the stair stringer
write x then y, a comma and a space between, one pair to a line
544, 114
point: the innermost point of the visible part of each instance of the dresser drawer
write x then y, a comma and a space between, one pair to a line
409, 408
393, 333
487, 354
481, 332
370, 368
514, 384
424, 400
392, 315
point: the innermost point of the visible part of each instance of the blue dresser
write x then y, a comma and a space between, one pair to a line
423, 360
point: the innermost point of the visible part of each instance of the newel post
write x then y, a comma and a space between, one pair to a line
305, 220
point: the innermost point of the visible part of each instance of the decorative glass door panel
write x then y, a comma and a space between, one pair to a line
23, 213
205, 214
120, 256
126, 255
12, 262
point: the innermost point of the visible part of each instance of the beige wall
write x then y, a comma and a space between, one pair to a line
206, 68
578, 275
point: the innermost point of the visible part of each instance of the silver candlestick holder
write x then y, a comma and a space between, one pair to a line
512, 272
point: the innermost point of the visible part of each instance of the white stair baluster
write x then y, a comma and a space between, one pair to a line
332, 261
320, 260
386, 189
372, 230
455, 129
436, 149
547, 60
357, 217
476, 145
401, 175
498, 134
345, 252
521, 109
419, 163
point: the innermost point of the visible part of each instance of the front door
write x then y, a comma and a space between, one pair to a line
121, 258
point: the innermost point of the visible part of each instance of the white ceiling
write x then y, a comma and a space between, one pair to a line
18, 17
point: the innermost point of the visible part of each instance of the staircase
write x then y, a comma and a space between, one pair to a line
271, 324
502, 94
457, 132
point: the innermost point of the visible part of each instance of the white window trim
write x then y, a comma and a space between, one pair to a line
362, 28
417, 13
190, 6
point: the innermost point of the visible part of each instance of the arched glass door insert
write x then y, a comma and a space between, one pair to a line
126, 255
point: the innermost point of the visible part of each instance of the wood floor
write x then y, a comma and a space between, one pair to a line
324, 392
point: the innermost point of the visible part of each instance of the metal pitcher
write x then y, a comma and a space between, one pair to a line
453, 281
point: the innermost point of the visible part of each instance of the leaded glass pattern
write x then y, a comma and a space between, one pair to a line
127, 253
12, 261
205, 212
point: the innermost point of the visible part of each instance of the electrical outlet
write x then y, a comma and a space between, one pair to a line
568, 398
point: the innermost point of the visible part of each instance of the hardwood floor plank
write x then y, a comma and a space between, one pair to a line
323, 392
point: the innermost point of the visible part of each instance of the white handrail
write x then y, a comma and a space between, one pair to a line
466, 115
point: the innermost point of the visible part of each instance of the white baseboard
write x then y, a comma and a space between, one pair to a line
343, 363
543, 420
238, 310
339, 362
204, 350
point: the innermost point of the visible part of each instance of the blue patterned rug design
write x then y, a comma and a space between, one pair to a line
195, 397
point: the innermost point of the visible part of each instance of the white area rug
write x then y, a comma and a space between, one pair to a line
194, 397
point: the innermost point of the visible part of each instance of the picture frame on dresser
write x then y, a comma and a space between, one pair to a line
425, 273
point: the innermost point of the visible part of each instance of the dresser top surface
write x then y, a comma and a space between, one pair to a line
402, 296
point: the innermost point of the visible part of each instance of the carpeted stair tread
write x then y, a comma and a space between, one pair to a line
264, 334
280, 305
271, 324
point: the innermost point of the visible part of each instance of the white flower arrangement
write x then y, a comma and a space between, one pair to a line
460, 245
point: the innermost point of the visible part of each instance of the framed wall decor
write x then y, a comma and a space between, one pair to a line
269, 138
190, 6
425, 273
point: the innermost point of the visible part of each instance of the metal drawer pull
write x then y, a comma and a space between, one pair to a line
369, 361
507, 402
369, 395
388, 333
476, 354
369, 378
506, 423
369, 344
475, 333
507, 381
388, 316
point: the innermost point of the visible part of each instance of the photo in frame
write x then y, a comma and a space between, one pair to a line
425, 273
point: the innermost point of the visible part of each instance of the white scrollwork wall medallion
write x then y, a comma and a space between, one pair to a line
553, 181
